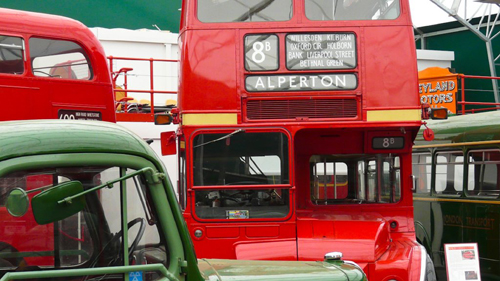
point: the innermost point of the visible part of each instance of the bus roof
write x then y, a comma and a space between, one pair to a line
476, 127
37, 137
37, 23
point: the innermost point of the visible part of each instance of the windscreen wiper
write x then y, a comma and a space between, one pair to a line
221, 138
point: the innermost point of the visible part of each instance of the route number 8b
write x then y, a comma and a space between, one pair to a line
387, 142
258, 47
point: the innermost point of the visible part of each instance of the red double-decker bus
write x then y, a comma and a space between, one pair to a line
52, 67
296, 121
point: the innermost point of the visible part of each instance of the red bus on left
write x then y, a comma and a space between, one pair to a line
52, 67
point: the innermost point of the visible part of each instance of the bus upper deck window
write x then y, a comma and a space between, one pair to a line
59, 59
244, 11
11, 55
352, 9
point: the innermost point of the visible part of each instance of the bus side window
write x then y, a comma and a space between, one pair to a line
449, 173
330, 182
361, 180
391, 179
483, 173
182, 185
11, 55
59, 59
422, 167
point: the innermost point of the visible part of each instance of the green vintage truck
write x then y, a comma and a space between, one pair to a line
91, 201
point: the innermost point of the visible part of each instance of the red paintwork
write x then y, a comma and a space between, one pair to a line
23, 233
318, 231
27, 96
212, 80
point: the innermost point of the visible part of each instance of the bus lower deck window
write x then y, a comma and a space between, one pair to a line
240, 158
340, 179
242, 203
422, 168
449, 172
483, 173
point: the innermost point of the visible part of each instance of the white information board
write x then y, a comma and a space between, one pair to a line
462, 262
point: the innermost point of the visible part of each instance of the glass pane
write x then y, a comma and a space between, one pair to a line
361, 191
330, 182
23, 234
244, 11
449, 172
261, 52
240, 158
11, 55
242, 204
390, 189
59, 59
75, 240
90, 238
340, 179
422, 167
182, 188
146, 245
352, 9
483, 173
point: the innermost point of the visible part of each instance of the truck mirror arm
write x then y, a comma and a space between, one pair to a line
151, 175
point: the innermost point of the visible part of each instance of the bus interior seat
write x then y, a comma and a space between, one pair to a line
12, 66
63, 72
450, 189
171, 103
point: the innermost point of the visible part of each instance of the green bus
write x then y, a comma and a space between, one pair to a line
89, 200
456, 189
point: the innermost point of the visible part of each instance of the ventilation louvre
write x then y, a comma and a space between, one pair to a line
301, 109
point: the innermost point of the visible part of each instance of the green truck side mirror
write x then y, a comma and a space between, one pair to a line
47, 207
17, 202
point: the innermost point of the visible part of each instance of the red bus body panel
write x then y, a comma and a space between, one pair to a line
27, 96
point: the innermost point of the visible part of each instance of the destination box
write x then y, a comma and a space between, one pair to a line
323, 51
302, 82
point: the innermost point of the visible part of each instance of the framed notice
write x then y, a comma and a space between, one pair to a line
237, 214
462, 262
79, 115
